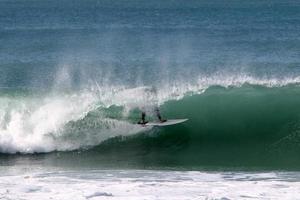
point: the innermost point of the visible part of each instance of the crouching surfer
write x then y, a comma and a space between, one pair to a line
143, 117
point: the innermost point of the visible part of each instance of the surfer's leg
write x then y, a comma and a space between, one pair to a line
143, 118
159, 116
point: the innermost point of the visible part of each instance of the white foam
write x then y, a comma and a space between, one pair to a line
149, 185
97, 194
38, 123
27, 122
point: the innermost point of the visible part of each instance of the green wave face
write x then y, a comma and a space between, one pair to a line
239, 127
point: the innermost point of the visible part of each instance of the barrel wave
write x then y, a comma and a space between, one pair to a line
237, 126
242, 125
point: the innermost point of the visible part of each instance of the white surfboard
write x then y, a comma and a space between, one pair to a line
167, 123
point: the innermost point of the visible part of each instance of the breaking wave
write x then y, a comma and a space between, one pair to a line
237, 107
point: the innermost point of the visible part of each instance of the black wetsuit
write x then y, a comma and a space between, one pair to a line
143, 119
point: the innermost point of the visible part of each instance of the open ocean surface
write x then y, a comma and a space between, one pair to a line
75, 75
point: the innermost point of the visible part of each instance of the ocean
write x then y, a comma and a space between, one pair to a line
75, 76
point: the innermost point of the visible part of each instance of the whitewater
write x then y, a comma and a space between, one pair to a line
124, 184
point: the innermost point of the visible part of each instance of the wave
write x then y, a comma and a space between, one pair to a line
249, 125
231, 114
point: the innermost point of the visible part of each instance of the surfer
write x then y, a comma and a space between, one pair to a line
143, 117
159, 116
